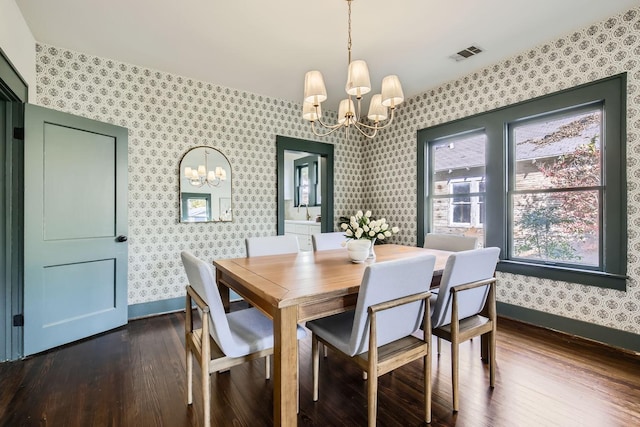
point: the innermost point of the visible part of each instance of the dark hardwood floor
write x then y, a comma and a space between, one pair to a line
135, 376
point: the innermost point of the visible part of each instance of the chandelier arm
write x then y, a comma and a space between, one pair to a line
360, 125
378, 126
332, 129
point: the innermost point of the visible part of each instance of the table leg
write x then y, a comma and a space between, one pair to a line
224, 291
285, 367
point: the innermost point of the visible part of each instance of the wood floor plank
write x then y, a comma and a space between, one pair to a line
135, 376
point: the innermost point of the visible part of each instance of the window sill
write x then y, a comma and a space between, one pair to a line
585, 277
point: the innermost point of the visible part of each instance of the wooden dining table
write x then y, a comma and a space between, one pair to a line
295, 288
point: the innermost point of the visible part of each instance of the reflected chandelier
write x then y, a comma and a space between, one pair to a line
201, 175
358, 84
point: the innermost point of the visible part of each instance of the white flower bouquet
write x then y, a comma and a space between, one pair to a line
361, 226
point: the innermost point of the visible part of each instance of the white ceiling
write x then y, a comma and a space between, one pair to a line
265, 47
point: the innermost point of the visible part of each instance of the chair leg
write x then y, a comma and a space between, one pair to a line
206, 394
267, 366
189, 376
454, 374
325, 351
492, 358
372, 399
427, 386
439, 345
315, 355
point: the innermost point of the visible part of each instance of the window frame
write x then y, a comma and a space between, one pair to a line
612, 93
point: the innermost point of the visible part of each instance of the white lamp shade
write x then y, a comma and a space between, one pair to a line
194, 174
358, 82
310, 112
391, 91
202, 171
223, 175
211, 176
346, 107
187, 172
314, 90
377, 111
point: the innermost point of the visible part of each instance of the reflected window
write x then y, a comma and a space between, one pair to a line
196, 207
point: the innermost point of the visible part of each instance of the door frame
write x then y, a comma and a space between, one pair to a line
14, 93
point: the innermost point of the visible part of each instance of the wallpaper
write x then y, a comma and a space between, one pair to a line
167, 114
603, 49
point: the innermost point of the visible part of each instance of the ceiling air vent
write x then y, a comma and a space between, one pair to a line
466, 53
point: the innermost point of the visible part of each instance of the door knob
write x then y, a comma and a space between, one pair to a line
121, 238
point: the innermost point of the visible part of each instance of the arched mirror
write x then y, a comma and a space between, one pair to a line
205, 186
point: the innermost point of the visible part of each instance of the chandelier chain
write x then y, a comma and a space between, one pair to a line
349, 32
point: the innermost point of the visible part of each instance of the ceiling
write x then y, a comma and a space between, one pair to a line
265, 47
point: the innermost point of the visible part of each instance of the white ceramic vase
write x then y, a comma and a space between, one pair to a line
359, 249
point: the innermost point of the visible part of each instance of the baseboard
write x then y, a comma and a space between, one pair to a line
171, 305
602, 334
154, 308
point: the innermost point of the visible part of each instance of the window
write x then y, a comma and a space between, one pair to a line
544, 180
556, 190
457, 184
306, 176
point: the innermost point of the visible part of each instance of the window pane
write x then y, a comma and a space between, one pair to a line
303, 189
457, 158
557, 227
560, 152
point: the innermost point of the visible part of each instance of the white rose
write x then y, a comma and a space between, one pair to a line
367, 214
359, 232
380, 236
376, 229
372, 233
387, 234
395, 229
365, 227
344, 225
349, 233
359, 214
354, 223
384, 227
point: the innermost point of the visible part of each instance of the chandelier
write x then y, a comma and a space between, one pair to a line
381, 107
203, 176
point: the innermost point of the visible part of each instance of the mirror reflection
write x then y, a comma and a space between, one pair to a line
205, 186
303, 185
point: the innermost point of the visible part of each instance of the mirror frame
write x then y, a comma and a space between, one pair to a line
180, 192
284, 143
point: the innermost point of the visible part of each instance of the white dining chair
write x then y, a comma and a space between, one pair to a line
224, 339
449, 242
271, 245
465, 307
378, 335
328, 241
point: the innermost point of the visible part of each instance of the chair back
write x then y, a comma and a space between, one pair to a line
201, 278
449, 242
461, 268
386, 281
328, 241
271, 245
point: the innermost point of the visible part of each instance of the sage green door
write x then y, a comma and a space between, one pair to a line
75, 250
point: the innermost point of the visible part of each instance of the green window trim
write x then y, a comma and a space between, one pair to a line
611, 92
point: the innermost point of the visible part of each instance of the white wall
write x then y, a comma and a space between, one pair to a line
18, 43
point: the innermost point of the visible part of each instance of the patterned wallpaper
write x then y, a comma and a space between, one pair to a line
167, 114
603, 49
